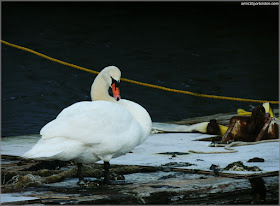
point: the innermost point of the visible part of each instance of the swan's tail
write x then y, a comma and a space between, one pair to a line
33, 154
52, 149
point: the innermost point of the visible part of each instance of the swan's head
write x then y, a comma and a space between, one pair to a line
112, 76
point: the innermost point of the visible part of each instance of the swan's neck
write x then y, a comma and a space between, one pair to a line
99, 90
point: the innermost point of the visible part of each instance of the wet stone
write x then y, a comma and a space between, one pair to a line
239, 166
177, 164
256, 159
174, 153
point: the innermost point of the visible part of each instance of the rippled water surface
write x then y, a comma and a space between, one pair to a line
212, 48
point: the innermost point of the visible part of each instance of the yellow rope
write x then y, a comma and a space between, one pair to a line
49, 58
140, 83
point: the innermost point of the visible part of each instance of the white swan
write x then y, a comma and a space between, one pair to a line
88, 131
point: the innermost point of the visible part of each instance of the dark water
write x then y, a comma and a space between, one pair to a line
212, 48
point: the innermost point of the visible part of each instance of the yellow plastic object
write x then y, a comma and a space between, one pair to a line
267, 107
223, 129
242, 112
202, 127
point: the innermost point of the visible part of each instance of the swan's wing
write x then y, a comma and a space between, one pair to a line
79, 107
90, 122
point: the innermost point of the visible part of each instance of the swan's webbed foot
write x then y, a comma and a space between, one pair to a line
82, 182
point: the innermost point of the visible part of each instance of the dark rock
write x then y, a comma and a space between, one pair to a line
215, 168
239, 166
167, 176
258, 190
178, 164
174, 153
256, 159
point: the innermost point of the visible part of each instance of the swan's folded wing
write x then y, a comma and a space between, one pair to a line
89, 122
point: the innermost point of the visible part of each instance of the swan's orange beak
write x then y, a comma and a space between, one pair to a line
116, 92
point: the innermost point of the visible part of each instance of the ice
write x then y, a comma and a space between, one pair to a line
15, 197
147, 154
18, 145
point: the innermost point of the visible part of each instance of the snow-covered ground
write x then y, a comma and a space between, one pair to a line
148, 153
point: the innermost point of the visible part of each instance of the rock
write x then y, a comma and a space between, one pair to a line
178, 164
256, 159
239, 166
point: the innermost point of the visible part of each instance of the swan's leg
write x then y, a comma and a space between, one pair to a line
79, 173
106, 173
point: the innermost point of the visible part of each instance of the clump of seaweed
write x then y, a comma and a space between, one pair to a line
36, 173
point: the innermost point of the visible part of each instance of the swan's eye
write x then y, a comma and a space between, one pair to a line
117, 83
